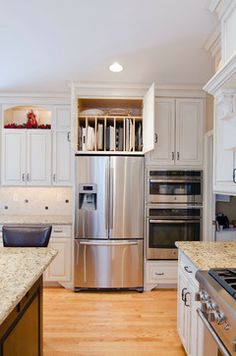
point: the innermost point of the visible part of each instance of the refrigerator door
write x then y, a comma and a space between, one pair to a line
108, 264
92, 197
126, 216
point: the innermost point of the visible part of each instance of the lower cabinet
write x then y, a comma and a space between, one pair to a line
21, 332
60, 268
158, 273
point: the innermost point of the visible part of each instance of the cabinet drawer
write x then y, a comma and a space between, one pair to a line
187, 267
163, 272
61, 231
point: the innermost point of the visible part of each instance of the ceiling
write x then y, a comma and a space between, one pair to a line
48, 42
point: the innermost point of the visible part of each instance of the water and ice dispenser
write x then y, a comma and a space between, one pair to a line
88, 197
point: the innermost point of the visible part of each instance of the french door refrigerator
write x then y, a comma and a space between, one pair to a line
109, 222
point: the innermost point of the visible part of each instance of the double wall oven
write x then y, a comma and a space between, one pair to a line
174, 211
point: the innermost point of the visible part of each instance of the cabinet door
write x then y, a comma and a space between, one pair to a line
189, 131
148, 119
13, 157
62, 147
223, 162
60, 268
164, 147
38, 157
182, 311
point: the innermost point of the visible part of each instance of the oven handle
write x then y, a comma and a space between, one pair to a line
174, 181
174, 221
213, 333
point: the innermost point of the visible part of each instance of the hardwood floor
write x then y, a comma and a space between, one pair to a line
110, 323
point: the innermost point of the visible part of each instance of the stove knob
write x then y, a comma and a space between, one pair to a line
211, 316
201, 296
219, 317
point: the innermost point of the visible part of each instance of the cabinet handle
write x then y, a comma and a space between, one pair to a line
183, 294
155, 137
172, 156
159, 273
54, 177
68, 136
58, 231
177, 156
187, 269
185, 300
234, 176
27, 177
23, 177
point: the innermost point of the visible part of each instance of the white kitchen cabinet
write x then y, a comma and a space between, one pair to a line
159, 273
62, 170
60, 268
178, 132
26, 157
118, 120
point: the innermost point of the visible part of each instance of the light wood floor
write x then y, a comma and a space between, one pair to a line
110, 323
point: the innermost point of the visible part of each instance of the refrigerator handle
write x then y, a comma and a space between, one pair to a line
107, 198
111, 196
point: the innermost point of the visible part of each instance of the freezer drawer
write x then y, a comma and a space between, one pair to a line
108, 264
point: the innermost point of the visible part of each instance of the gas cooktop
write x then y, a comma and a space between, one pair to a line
226, 277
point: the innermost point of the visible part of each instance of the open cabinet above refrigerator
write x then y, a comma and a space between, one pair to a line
112, 120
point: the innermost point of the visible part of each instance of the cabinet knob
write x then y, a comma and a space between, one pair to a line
178, 156
187, 269
27, 177
172, 156
23, 177
155, 137
54, 177
68, 136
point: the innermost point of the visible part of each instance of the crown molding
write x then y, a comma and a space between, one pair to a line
220, 6
35, 98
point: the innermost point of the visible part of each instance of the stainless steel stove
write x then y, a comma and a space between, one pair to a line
217, 296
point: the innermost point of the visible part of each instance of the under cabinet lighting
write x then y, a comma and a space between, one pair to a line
116, 67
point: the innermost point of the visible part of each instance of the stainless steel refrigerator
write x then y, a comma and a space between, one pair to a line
109, 222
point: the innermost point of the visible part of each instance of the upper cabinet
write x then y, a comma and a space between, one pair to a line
62, 152
178, 132
113, 121
36, 147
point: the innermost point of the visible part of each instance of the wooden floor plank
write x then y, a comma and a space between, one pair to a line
110, 323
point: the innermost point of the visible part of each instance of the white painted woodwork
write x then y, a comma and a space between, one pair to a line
179, 129
159, 273
189, 131
13, 163
60, 268
149, 119
228, 26
195, 339
61, 231
26, 157
62, 170
38, 157
164, 148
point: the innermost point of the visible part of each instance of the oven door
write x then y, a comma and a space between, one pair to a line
162, 235
174, 191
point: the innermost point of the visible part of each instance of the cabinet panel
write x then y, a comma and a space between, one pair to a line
39, 157
61, 158
149, 119
189, 131
62, 116
165, 130
224, 161
60, 268
13, 157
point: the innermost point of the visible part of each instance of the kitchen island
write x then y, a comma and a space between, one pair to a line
21, 272
194, 256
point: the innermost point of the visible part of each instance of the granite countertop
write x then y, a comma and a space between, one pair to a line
205, 255
36, 219
19, 270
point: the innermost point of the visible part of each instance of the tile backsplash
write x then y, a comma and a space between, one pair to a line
35, 201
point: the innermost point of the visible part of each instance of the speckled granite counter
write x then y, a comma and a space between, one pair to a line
205, 255
19, 270
35, 219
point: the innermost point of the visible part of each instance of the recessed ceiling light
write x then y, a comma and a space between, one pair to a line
116, 67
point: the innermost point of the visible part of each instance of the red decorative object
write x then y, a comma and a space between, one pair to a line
30, 124
31, 120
